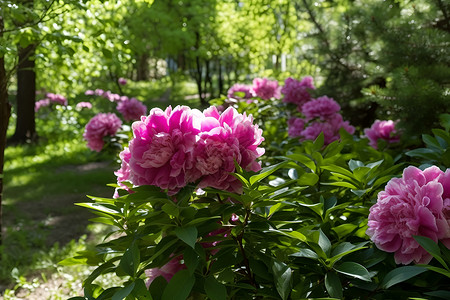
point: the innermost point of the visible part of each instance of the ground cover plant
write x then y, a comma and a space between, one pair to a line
200, 212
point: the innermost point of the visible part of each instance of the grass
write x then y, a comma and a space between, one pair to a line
43, 181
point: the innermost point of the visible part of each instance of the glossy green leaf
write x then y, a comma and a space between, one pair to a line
124, 292
179, 286
324, 243
214, 289
265, 172
354, 270
187, 235
308, 179
333, 285
431, 247
399, 275
130, 260
283, 278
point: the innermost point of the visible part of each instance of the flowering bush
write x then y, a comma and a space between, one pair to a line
301, 227
240, 88
416, 204
50, 98
131, 109
321, 116
297, 92
100, 126
384, 130
266, 89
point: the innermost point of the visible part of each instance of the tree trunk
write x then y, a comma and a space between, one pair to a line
220, 79
142, 67
5, 113
26, 97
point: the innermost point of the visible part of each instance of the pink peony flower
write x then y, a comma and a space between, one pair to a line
131, 109
56, 98
41, 103
384, 130
330, 128
322, 107
295, 127
173, 148
89, 93
224, 139
167, 271
415, 204
161, 149
122, 81
265, 89
297, 92
82, 105
243, 88
101, 125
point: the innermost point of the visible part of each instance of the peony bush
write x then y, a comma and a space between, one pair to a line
218, 204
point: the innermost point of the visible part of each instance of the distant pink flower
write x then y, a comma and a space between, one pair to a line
99, 92
82, 105
161, 149
131, 109
122, 81
415, 204
41, 103
322, 107
266, 89
101, 125
89, 93
297, 92
243, 88
167, 271
56, 98
384, 130
330, 128
295, 127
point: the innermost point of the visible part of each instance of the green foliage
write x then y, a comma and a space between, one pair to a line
298, 231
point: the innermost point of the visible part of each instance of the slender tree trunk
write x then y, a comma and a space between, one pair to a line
5, 113
142, 67
26, 96
220, 79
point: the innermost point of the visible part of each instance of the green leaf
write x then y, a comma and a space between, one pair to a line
140, 291
437, 270
214, 289
305, 160
344, 229
353, 164
179, 287
354, 270
130, 260
324, 243
157, 287
282, 275
124, 292
187, 235
307, 253
399, 275
265, 172
308, 179
333, 285
171, 209
431, 247
191, 259
318, 143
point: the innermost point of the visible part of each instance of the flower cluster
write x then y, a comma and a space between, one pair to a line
101, 125
297, 92
321, 115
131, 109
122, 81
82, 105
384, 130
418, 204
106, 94
245, 89
50, 98
178, 146
265, 89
